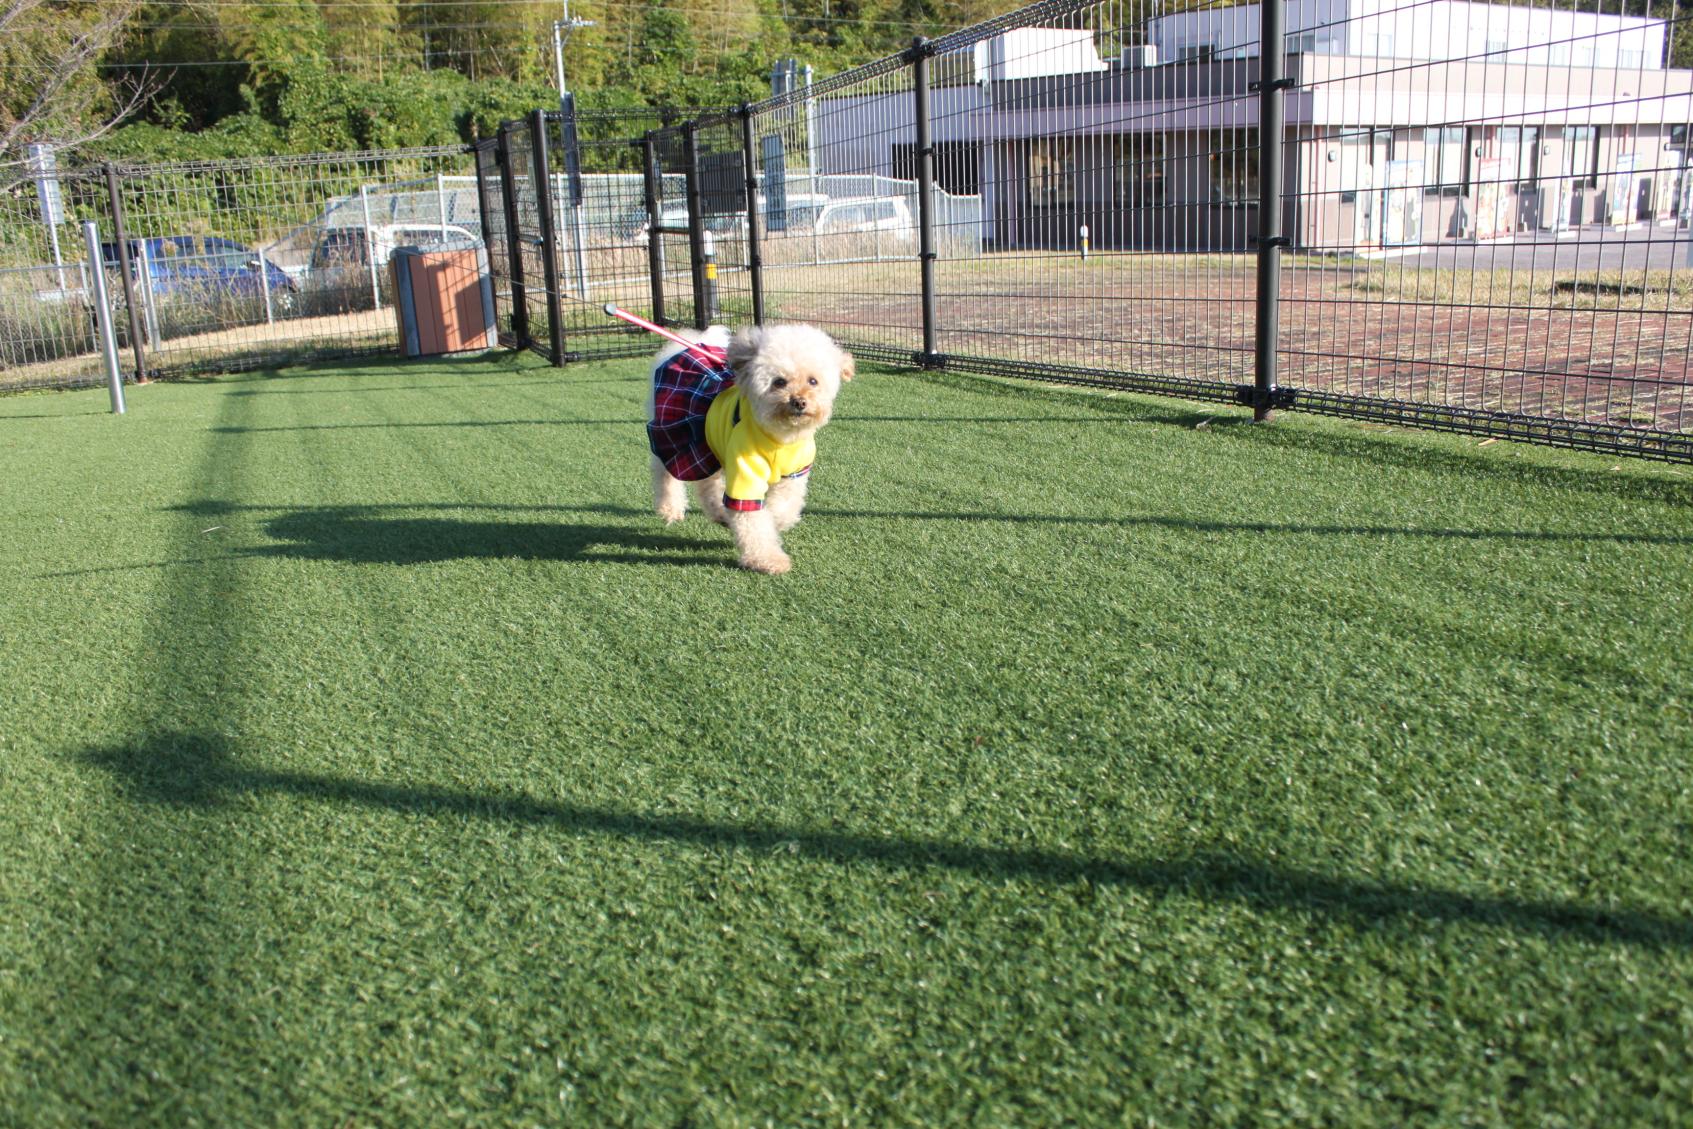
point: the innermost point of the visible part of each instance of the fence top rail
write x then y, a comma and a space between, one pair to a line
285, 160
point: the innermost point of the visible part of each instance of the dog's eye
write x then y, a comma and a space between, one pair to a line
779, 382
814, 380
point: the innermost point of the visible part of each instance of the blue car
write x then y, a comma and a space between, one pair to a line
205, 266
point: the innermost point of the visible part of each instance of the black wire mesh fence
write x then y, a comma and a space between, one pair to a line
1438, 213
1442, 214
219, 266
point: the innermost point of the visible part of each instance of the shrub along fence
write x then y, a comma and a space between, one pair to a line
1458, 216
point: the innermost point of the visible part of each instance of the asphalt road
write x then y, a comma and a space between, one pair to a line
1579, 251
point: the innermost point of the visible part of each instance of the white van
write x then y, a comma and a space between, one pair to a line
339, 247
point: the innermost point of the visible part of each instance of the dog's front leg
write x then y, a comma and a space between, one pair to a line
757, 542
785, 502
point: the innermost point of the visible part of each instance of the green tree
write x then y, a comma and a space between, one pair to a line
51, 89
274, 38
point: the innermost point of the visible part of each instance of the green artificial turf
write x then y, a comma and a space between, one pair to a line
369, 755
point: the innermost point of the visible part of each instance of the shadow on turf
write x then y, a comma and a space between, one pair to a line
391, 389
1407, 448
1197, 525
362, 536
624, 422
197, 770
367, 535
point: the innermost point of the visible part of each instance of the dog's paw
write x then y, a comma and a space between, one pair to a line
774, 564
671, 512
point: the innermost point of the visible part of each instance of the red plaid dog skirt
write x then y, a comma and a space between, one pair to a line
683, 389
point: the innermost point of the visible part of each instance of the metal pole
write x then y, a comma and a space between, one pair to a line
264, 284
571, 148
151, 307
1271, 82
655, 241
755, 256
696, 220
567, 136
710, 249
103, 314
514, 241
58, 256
811, 163
128, 271
549, 234
370, 247
919, 54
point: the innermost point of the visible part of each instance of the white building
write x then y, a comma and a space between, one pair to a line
1404, 124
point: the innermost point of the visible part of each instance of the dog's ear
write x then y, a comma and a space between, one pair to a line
849, 367
743, 347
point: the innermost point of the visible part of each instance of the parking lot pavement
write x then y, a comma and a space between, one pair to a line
1593, 248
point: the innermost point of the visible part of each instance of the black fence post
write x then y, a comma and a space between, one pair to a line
120, 234
920, 52
653, 187
755, 255
696, 221
514, 241
1271, 83
549, 236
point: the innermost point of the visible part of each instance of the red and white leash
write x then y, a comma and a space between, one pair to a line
650, 327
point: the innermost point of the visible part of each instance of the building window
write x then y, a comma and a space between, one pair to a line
1139, 171
1495, 47
1378, 46
1517, 148
1233, 165
1581, 154
1559, 55
1630, 60
1443, 160
1052, 172
957, 165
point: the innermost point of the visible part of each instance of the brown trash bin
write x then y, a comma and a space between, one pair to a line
443, 300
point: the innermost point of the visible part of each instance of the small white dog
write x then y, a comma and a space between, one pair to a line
736, 416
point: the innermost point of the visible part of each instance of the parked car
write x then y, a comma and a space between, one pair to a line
204, 266
339, 247
808, 214
886, 214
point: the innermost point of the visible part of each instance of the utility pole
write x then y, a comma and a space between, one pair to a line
567, 111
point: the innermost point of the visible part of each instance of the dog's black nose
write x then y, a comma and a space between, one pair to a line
797, 404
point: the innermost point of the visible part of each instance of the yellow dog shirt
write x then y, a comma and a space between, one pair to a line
753, 461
